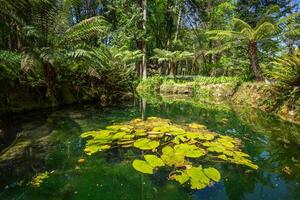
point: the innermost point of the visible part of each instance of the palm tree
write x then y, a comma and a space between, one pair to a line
173, 57
244, 32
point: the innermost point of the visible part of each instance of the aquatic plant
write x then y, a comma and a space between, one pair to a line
38, 179
182, 149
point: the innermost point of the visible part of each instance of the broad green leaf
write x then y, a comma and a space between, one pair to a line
182, 177
118, 135
196, 126
145, 144
154, 161
171, 157
198, 179
189, 150
212, 173
125, 128
142, 166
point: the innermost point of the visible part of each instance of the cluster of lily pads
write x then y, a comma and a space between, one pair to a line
181, 148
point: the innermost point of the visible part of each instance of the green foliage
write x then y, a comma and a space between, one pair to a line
86, 29
171, 56
150, 84
286, 70
178, 148
217, 80
10, 64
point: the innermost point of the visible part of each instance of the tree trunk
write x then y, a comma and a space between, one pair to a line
144, 61
172, 69
178, 20
254, 62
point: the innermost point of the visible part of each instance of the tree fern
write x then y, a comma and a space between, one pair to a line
95, 26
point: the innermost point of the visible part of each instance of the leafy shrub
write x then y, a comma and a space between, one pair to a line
286, 70
150, 84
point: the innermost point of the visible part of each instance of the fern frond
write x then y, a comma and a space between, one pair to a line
240, 24
94, 26
265, 29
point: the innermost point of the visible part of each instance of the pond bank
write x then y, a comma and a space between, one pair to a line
261, 95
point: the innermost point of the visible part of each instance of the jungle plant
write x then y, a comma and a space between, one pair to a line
286, 70
182, 149
252, 36
172, 57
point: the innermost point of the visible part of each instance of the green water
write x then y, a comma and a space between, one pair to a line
49, 141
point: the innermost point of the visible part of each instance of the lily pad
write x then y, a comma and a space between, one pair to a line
190, 151
171, 157
154, 161
212, 173
142, 166
145, 144
118, 135
198, 179
125, 128
181, 177
89, 150
196, 126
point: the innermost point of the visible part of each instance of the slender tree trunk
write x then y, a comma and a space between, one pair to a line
172, 69
178, 20
254, 62
144, 61
18, 34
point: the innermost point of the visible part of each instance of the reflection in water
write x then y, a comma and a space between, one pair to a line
143, 108
49, 141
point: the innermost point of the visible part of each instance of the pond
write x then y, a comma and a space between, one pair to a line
48, 143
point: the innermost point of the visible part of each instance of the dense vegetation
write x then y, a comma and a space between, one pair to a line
83, 49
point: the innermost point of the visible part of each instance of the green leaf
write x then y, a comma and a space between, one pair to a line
181, 178
89, 150
200, 136
223, 157
171, 157
196, 126
189, 150
198, 179
154, 161
125, 128
97, 134
119, 135
212, 173
142, 166
145, 144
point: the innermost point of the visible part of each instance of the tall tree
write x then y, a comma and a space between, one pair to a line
144, 61
244, 32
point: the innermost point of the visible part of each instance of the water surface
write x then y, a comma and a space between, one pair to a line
49, 141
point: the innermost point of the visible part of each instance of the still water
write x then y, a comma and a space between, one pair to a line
49, 141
